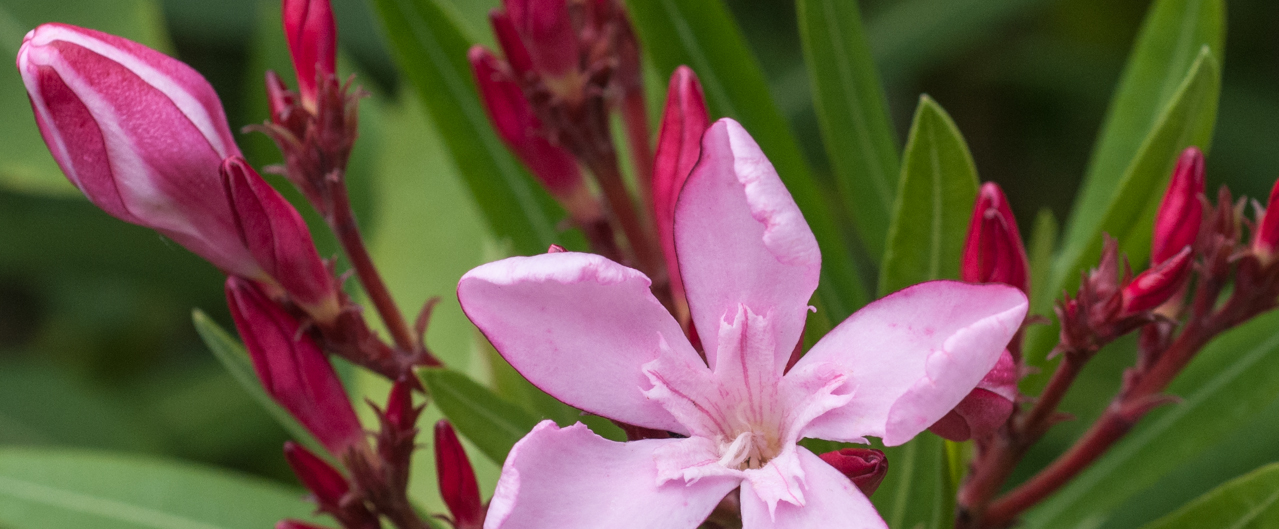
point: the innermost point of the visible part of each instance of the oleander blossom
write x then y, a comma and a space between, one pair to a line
589, 332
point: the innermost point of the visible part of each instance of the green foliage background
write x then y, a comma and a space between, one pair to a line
98, 352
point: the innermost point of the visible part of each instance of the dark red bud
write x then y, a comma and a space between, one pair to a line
1157, 285
313, 42
400, 411
457, 479
547, 30
993, 252
520, 129
324, 481
1181, 212
512, 45
866, 467
292, 368
1266, 238
679, 144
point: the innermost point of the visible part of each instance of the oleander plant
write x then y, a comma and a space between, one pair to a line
639, 264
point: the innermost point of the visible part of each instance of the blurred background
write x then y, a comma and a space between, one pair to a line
97, 349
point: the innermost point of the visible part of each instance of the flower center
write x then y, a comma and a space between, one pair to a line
750, 449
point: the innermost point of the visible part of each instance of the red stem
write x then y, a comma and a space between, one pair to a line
342, 222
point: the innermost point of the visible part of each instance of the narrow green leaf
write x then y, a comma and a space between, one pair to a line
1170, 40
853, 114
489, 421
431, 51
43, 488
1250, 501
934, 203
235, 359
1188, 120
1043, 238
1233, 380
704, 36
915, 494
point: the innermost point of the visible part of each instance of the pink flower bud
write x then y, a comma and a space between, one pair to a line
325, 482
511, 43
292, 368
986, 408
520, 129
1153, 287
139, 133
457, 479
679, 144
866, 467
278, 97
548, 34
993, 252
278, 239
313, 43
1181, 212
1266, 237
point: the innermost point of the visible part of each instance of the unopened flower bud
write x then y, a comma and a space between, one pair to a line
329, 490
993, 252
313, 39
139, 133
457, 479
520, 129
1153, 287
292, 368
679, 145
548, 34
400, 411
986, 407
279, 99
1181, 212
866, 467
508, 38
1266, 238
278, 239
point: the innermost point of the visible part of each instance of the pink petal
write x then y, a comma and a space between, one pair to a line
742, 240
571, 478
914, 355
830, 500
580, 327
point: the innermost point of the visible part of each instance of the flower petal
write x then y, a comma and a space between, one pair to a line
740, 238
579, 326
913, 355
830, 500
571, 478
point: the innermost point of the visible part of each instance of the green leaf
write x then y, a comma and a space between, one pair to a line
431, 51
1188, 120
1043, 238
236, 361
43, 488
934, 203
1250, 501
489, 421
1224, 389
853, 114
704, 36
1171, 38
915, 494
25, 162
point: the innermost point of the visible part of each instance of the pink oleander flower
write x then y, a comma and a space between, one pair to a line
590, 332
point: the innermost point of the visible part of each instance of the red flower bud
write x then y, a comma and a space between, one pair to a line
278, 239
313, 42
993, 252
457, 479
679, 144
292, 368
866, 467
139, 133
520, 129
548, 34
1153, 287
512, 46
1181, 212
1266, 237
986, 408
325, 482
278, 97
400, 411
